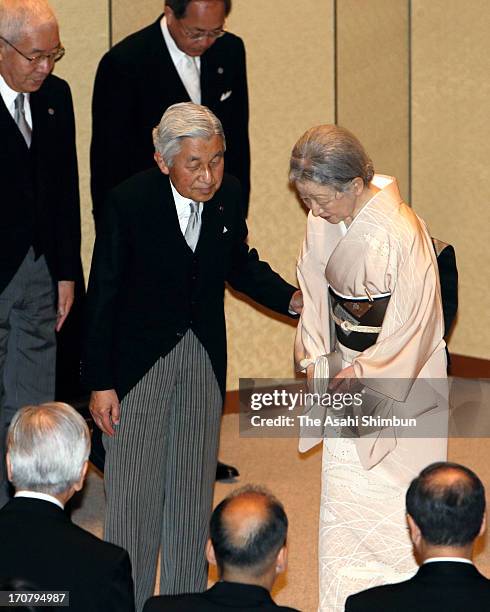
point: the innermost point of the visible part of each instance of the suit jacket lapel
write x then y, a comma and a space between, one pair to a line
210, 78
9, 130
164, 213
167, 78
43, 110
211, 223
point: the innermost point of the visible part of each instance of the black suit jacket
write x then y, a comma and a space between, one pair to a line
221, 596
443, 586
40, 545
137, 81
147, 287
40, 199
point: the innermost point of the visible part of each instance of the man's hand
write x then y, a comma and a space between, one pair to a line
66, 297
105, 410
296, 303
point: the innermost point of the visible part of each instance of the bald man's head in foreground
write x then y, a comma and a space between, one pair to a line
445, 511
248, 537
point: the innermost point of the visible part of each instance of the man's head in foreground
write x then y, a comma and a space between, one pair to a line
445, 511
248, 537
47, 450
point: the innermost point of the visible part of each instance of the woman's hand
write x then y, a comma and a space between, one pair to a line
343, 380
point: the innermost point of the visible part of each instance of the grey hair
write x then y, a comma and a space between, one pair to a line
330, 155
184, 120
48, 446
20, 16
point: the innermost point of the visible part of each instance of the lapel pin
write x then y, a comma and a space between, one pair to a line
51, 111
220, 70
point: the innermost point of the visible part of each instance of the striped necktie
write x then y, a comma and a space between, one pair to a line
193, 228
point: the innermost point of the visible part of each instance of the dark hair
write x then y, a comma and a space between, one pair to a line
447, 501
256, 546
179, 7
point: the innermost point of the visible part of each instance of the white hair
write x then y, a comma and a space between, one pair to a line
20, 16
48, 446
184, 120
330, 155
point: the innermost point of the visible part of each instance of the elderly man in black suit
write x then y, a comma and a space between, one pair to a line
183, 56
248, 544
168, 240
48, 448
445, 513
40, 227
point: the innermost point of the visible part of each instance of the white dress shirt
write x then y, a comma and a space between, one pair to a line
8, 97
179, 59
43, 496
183, 208
453, 559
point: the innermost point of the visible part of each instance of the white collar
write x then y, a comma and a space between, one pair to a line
8, 94
180, 200
37, 495
176, 54
452, 559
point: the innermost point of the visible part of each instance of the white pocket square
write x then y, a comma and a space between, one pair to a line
225, 95
225, 229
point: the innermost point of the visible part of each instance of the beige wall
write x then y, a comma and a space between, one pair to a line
451, 149
84, 31
129, 16
291, 65
373, 79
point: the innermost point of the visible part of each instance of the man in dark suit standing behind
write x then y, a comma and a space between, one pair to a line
168, 240
183, 56
48, 448
248, 544
445, 513
40, 226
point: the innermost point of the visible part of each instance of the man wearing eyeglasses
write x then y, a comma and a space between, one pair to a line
40, 219
183, 56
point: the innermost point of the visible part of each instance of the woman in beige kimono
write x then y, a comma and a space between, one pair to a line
371, 293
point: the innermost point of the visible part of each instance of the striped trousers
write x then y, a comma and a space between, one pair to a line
160, 471
27, 345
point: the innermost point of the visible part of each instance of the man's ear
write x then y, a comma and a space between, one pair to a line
415, 533
169, 14
210, 556
282, 560
161, 163
9, 467
79, 485
483, 523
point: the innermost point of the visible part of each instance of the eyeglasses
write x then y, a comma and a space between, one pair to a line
39, 59
200, 34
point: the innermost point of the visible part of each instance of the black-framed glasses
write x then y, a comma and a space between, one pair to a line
41, 57
200, 34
